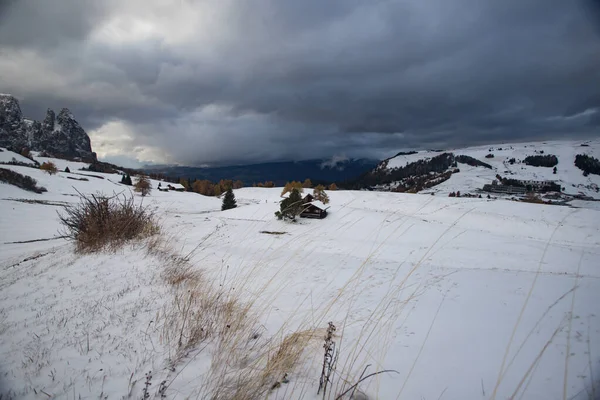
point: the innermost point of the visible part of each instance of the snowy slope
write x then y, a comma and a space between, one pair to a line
472, 178
8, 156
464, 298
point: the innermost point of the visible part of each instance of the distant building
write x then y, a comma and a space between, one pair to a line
518, 186
170, 186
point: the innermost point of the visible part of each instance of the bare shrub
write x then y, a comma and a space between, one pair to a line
23, 181
98, 221
49, 167
143, 186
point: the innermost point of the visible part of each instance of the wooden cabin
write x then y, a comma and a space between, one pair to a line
314, 209
170, 186
308, 198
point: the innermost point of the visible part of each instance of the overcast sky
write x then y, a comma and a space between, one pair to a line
236, 81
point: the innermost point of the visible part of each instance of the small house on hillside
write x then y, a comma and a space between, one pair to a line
170, 186
314, 209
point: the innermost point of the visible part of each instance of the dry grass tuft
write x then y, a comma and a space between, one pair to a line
263, 367
98, 221
201, 315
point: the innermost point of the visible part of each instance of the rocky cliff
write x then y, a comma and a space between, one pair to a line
60, 136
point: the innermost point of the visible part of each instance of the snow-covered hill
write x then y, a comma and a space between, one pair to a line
471, 179
463, 298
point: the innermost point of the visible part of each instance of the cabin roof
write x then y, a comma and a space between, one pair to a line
319, 204
173, 185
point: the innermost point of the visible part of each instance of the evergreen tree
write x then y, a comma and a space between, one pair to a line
290, 207
126, 180
228, 200
67, 170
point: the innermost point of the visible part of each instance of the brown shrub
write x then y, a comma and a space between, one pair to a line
100, 221
143, 185
49, 167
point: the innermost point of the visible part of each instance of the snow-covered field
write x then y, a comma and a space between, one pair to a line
463, 298
470, 179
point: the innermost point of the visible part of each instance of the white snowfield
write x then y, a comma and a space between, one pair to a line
462, 298
7, 156
469, 179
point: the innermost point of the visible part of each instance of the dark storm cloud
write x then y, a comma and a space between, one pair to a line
225, 81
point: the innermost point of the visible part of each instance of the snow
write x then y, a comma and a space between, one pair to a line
464, 298
60, 163
319, 204
470, 179
7, 156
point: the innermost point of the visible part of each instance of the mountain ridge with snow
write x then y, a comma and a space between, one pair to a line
57, 135
504, 160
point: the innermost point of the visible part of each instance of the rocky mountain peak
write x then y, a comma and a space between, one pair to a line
65, 114
10, 111
48, 124
60, 136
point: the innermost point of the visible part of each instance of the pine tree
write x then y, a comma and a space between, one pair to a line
126, 180
67, 170
228, 200
290, 207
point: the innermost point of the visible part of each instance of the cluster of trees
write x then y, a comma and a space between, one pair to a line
102, 167
379, 176
588, 164
266, 184
418, 183
307, 184
23, 181
208, 188
548, 160
126, 180
473, 161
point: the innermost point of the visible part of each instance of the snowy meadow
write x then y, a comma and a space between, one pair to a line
392, 296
